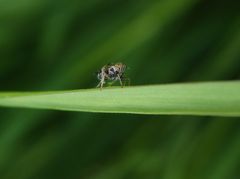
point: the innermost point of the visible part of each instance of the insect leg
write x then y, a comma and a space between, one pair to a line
102, 81
120, 81
126, 80
98, 84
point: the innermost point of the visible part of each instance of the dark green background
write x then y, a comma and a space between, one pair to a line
57, 45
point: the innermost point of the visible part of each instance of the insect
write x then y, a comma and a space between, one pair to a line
112, 72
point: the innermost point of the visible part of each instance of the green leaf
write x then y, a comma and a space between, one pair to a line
209, 98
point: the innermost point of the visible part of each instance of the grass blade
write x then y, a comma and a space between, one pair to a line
209, 98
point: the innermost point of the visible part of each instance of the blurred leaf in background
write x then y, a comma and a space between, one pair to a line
57, 45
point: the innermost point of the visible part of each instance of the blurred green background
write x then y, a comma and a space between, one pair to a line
57, 45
